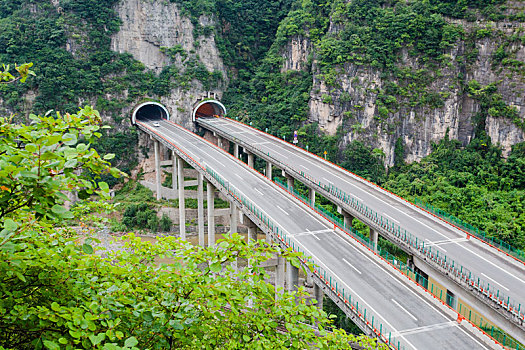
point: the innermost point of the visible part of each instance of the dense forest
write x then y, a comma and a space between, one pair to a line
473, 182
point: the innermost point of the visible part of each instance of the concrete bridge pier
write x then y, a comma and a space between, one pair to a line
292, 277
373, 239
233, 228
210, 197
251, 159
311, 196
347, 219
236, 150
174, 177
269, 170
318, 295
157, 170
200, 208
279, 273
290, 182
182, 196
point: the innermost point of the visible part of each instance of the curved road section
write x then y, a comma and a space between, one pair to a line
405, 311
489, 270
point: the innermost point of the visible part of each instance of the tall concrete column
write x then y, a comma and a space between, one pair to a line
174, 177
200, 208
210, 196
157, 170
252, 232
251, 159
311, 195
233, 228
279, 272
373, 239
219, 141
318, 295
236, 150
269, 170
182, 204
292, 277
290, 182
347, 219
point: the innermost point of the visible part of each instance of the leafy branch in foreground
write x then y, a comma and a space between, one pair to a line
23, 73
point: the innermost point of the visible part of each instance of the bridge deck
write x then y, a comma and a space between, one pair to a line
405, 311
502, 274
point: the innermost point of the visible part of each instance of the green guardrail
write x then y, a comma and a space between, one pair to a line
498, 243
453, 268
386, 335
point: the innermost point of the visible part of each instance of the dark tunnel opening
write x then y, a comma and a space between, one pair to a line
151, 112
209, 109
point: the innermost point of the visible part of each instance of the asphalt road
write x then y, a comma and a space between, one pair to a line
417, 323
486, 263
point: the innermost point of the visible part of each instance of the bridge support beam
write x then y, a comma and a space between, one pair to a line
318, 295
290, 182
233, 227
182, 204
210, 197
200, 208
251, 159
347, 219
269, 170
373, 239
174, 177
219, 141
311, 196
292, 277
157, 170
236, 150
279, 273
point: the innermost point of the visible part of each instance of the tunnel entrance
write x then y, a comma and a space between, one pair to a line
208, 108
149, 111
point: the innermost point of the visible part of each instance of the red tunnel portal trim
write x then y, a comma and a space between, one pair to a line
208, 108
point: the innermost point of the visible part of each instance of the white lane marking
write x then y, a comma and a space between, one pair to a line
330, 181
405, 310
431, 244
304, 167
428, 328
413, 292
499, 284
261, 143
239, 176
391, 218
352, 266
282, 210
262, 194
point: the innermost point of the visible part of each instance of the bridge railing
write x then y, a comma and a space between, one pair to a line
498, 243
383, 332
447, 265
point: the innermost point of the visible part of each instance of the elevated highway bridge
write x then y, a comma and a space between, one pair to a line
372, 291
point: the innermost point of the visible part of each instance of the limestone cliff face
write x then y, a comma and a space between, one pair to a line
149, 25
352, 102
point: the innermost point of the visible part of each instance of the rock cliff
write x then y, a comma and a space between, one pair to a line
150, 27
351, 102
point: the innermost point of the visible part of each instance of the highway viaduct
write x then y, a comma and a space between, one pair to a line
399, 312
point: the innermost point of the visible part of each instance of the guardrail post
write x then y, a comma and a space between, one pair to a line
210, 197
182, 206
157, 170
200, 208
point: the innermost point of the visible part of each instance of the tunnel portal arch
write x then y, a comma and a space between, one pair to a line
151, 110
208, 108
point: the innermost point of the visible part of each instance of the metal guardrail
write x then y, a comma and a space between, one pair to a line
500, 302
498, 243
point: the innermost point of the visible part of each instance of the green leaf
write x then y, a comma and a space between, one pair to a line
131, 342
58, 209
51, 345
97, 339
71, 163
215, 267
10, 225
31, 147
109, 156
29, 174
103, 186
246, 338
69, 139
87, 248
